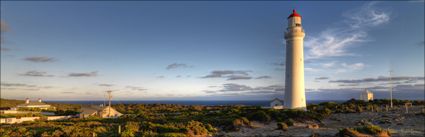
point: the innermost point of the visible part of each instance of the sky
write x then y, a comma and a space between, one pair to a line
205, 50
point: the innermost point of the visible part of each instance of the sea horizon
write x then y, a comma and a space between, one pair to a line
184, 102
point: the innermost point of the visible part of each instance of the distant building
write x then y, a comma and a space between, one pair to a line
99, 111
366, 95
276, 104
39, 105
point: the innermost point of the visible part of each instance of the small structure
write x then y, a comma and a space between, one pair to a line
37, 105
99, 111
276, 104
366, 95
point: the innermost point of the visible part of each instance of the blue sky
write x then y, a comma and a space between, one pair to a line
207, 50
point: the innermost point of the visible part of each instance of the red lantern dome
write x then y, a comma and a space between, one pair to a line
294, 14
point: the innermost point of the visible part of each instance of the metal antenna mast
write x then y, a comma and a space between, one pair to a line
110, 97
391, 89
104, 100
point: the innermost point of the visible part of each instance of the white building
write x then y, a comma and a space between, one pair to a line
37, 105
99, 111
276, 104
366, 95
294, 77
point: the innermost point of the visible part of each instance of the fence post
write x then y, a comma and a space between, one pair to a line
119, 129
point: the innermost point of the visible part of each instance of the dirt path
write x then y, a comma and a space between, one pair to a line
398, 122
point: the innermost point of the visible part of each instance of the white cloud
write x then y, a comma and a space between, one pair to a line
355, 66
367, 16
345, 67
340, 67
335, 42
329, 65
311, 69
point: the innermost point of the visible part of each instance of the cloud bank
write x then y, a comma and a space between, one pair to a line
335, 42
177, 65
39, 59
229, 74
379, 79
34, 73
88, 74
237, 89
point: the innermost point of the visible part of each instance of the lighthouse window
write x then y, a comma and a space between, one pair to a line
298, 25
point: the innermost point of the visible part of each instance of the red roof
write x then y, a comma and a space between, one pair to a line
294, 14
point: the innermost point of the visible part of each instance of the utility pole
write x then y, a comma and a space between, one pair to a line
104, 100
110, 97
391, 89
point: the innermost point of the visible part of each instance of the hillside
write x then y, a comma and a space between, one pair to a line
324, 119
10, 102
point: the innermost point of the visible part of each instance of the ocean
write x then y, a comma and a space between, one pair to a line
187, 102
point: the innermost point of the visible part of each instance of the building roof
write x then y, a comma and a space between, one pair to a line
294, 14
33, 104
277, 100
92, 109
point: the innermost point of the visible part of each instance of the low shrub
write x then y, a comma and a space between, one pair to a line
171, 135
369, 129
196, 128
289, 122
260, 116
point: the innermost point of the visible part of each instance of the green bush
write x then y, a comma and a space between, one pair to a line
210, 128
127, 133
245, 121
325, 112
131, 128
172, 135
359, 109
168, 128
237, 123
196, 128
289, 122
260, 116
369, 129
149, 134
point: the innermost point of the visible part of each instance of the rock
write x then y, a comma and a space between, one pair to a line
350, 133
384, 121
383, 134
314, 135
363, 122
398, 119
313, 126
282, 126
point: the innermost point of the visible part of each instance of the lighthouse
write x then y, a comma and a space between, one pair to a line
294, 76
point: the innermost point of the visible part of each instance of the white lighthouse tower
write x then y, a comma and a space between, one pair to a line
294, 77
